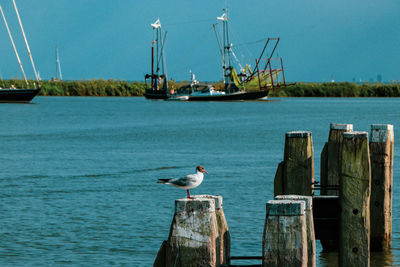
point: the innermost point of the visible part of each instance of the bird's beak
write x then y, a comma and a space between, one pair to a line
205, 171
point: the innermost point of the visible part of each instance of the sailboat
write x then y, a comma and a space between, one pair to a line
12, 94
157, 87
58, 76
237, 84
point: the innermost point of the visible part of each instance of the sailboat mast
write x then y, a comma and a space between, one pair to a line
157, 50
228, 44
226, 62
13, 44
152, 66
161, 51
224, 42
58, 65
26, 42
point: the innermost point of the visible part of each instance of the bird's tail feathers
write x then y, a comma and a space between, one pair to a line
163, 181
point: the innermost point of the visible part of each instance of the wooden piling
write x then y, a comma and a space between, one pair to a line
381, 152
285, 234
331, 158
161, 255
278, 180
223, 240
354, 240
309, 225
295, 175
193, 235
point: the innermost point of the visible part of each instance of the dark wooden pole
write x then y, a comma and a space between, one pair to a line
381, 151
295, 175
355, 187
331, 158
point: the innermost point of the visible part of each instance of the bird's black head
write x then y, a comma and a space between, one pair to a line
201, 169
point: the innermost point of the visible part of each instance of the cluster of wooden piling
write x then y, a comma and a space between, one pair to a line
356, 188
352, 214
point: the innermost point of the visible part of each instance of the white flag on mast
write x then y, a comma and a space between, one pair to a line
223, 17
156, 24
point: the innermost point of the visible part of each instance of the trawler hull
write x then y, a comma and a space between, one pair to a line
237, 96
155, 94
17, 95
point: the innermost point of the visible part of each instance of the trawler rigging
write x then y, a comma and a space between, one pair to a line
158, 78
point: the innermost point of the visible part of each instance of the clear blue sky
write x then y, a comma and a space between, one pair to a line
343, 39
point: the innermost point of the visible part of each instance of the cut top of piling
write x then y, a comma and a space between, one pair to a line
306, 199
195, 205
298, 134
381, 133
341, 126
356, 134
217, 199
285, 207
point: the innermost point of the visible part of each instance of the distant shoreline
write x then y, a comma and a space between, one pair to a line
99, 87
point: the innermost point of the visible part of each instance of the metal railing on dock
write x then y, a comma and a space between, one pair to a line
317, 186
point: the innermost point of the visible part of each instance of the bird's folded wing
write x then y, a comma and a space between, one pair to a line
187, 180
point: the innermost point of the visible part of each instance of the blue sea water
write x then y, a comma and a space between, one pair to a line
78, 177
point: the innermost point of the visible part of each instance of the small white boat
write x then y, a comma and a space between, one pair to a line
207, 90
177, 98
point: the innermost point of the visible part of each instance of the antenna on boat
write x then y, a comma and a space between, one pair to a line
26, 43
13, 44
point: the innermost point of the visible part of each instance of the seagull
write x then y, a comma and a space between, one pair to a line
187, 182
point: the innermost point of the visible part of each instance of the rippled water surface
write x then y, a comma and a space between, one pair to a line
78, 177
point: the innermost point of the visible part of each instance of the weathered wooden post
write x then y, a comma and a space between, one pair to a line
309, 224
285, 234
223, 241
331, 158
381, 152
355, 184
295, 175
193, 235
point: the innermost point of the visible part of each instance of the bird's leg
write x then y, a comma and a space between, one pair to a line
188, 194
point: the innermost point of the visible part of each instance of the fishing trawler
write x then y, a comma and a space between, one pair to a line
246, 84
13, 94
157, 87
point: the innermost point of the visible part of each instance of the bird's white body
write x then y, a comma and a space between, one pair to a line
187, 182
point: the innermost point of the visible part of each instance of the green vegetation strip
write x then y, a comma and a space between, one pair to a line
99, 87
82, 88
341, 89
